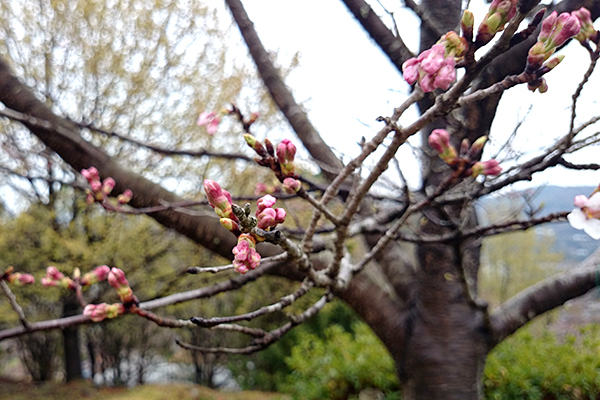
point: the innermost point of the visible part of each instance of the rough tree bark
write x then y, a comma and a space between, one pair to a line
428, 315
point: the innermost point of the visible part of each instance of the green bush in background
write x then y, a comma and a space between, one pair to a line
545, 366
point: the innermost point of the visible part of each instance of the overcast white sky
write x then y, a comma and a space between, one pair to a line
346, 82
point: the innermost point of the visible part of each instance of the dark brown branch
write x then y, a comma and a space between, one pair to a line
392, 45
282, 95
544, 296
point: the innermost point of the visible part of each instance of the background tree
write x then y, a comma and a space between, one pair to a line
423, 305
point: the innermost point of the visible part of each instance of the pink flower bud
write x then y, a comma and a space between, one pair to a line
410, 70
291, 185
96, 312
108, 185
433, 59
280, 215
265, 202
125, 197
91, 174
445, 76
219, 199
210, 120
439, 140
490, 167
261, 188
96, 186
587, 31
246, 257
266, 218
229, 224
286, 151
53, 273
49, 282
20, 279
116, 278
89, 198
97, 275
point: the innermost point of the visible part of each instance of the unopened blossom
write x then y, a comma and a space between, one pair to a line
586, 215
489, 167
99, 312
20, 279
265, 202
108, 185
210, 120
219, 199
267, 216
466, 25
125, 197
587, 31
291, 185
229, 224
432, 69
499, 13
554, 32
97, 275
116, 279
286, 151
439, 140
246, 256
91, 174
56, 278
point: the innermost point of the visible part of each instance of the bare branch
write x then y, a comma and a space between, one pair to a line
544, 296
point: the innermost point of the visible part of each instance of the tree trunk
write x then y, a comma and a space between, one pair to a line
71, 341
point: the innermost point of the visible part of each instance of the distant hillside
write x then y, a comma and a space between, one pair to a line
574, 244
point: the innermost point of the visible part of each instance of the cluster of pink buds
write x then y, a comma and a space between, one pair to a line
99, 312
17, 278
439, 140
238, 221
245, 255
99, 191
268, 217
434, 68
56, 278
498, 15
116, 279
280, 160
586, 215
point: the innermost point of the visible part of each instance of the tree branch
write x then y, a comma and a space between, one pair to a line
282, 96
544, 296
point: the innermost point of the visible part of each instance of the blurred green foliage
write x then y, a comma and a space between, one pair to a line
545, 366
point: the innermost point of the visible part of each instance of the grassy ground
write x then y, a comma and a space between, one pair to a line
87, 391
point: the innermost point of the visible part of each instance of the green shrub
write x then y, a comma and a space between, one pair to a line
545, 367
340, 365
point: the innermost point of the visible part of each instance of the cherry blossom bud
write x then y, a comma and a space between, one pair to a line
219, 199
96, 186
108, 185
91, 174
410, 70
553, 62
466, 25
280, 215
20, 279
489, 167
89, 198
98, 312
266, 218
433, 59
587, 31
439, 140
261, 188
265, 202
53, 273
210, 120
246, 257
253, 117
286, 151
229, 224
291, 185
116, 278
125, 197
97, 275
477, 147
255, 145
